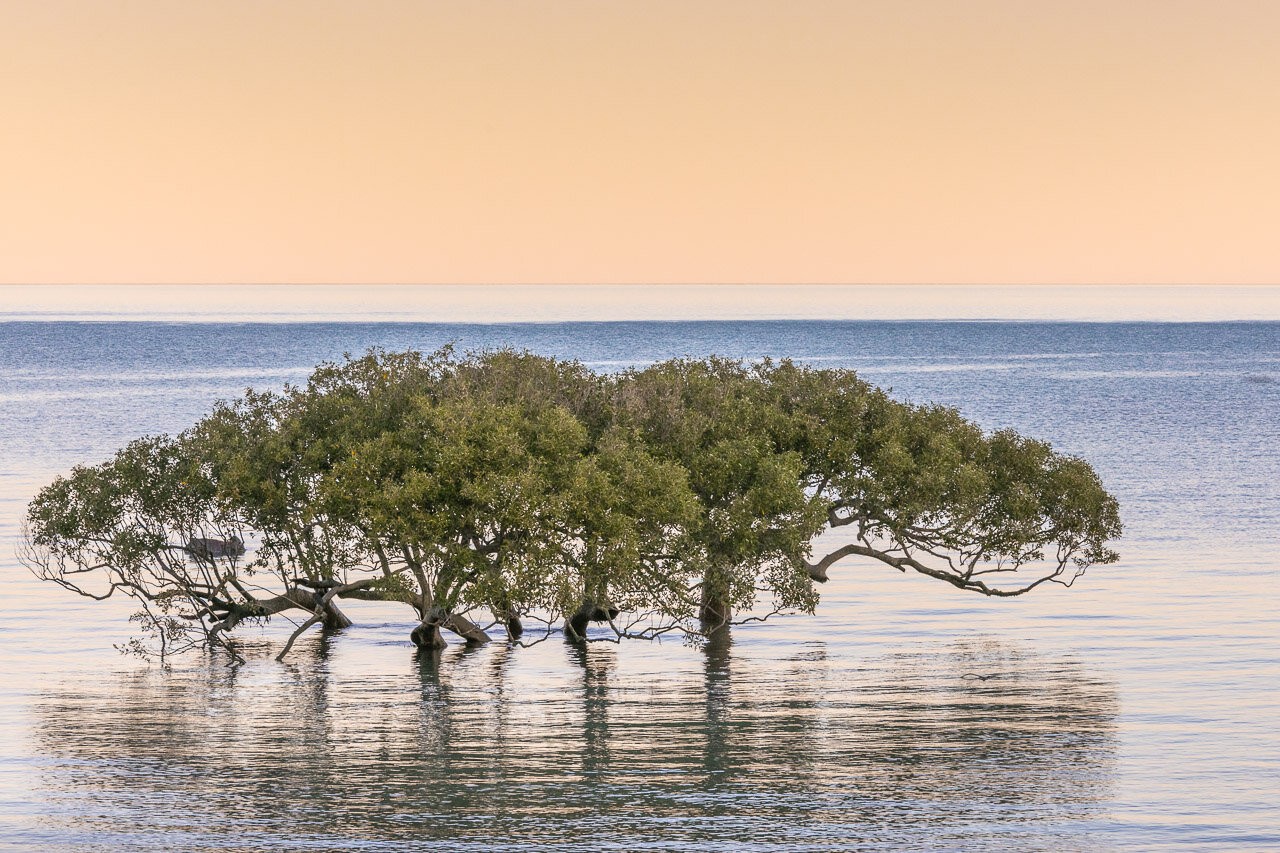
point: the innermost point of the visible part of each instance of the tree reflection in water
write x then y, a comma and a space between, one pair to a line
585, 747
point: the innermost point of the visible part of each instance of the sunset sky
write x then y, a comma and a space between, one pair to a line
992, 141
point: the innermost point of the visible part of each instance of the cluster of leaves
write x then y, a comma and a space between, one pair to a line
684, 496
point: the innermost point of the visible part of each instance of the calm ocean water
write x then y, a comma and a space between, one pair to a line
1136, 711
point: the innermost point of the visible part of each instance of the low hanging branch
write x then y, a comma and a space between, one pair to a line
961, 580
966, 565
322, 610
684, 497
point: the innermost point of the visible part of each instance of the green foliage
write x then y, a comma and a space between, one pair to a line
127, 524
754, 521
684, 495
925, 489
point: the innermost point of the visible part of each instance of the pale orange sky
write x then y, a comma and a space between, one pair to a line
715, 141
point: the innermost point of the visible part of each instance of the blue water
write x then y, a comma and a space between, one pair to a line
1133, 711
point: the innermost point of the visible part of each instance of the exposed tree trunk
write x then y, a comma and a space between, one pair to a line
427, 634
233, 613
575, 627
510, 619
333, 617
322, 611
714, 611
466, 629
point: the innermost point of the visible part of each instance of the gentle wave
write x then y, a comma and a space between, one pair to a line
1133, 711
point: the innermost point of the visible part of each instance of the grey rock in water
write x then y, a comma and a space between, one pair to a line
216, 548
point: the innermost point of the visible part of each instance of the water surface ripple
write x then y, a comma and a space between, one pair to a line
1133, 712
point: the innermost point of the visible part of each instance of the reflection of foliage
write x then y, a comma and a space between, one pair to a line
505, 751
684, 496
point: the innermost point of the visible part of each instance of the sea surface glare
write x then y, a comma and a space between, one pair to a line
1136, 711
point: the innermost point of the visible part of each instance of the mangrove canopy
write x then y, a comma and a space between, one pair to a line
508, 491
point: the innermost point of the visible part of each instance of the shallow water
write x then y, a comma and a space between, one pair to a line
1133, 711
